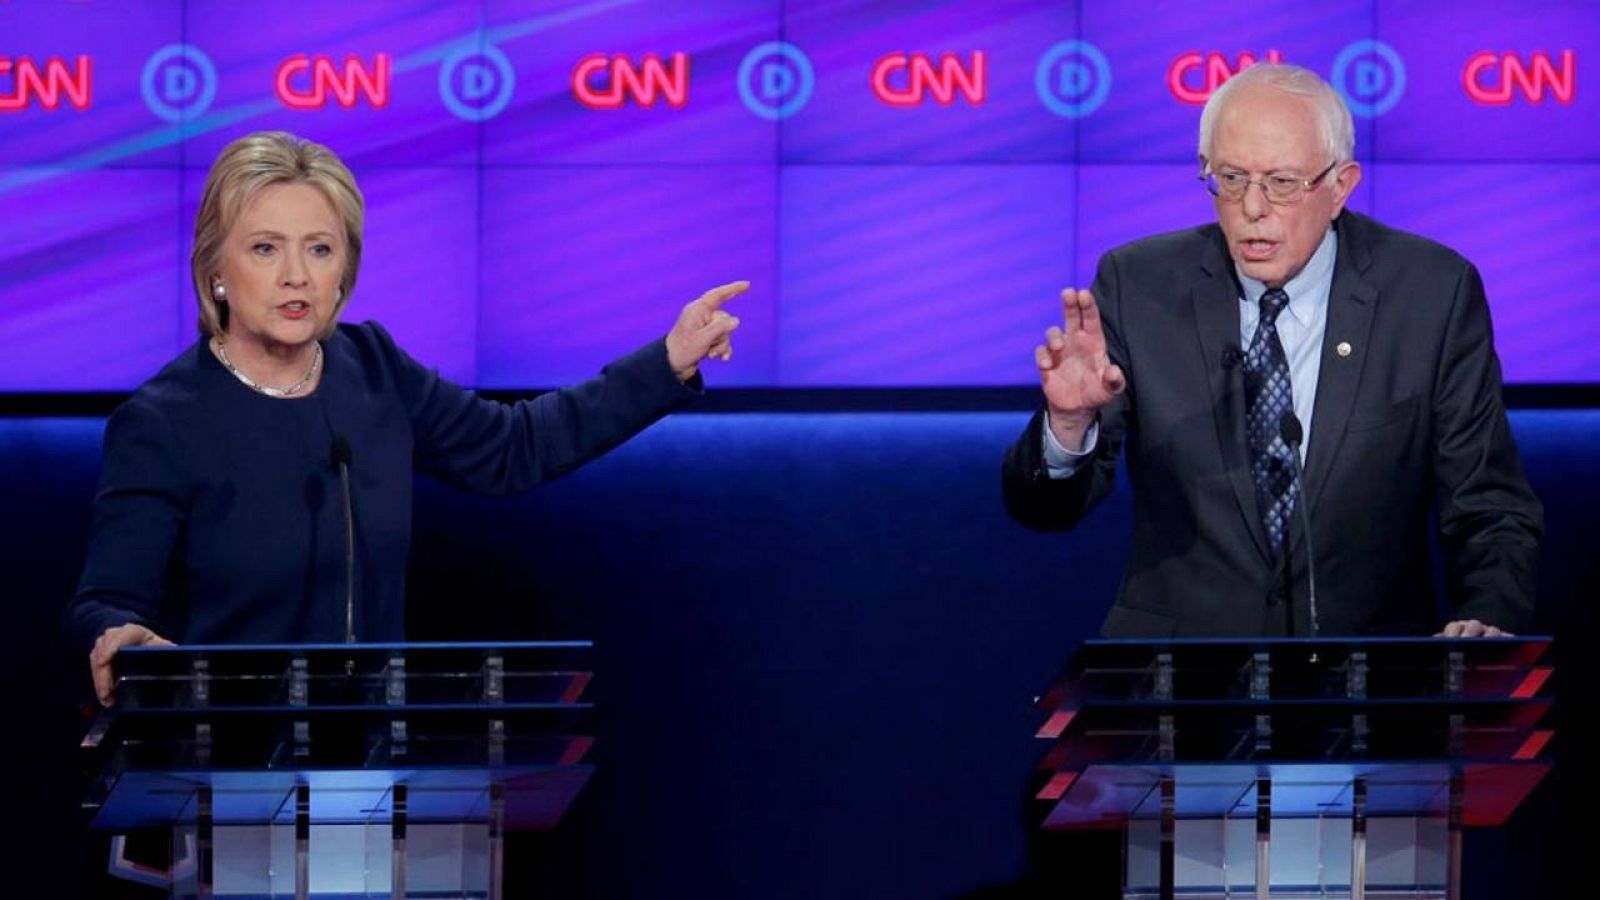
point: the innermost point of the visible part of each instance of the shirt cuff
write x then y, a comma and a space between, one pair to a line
1059, 462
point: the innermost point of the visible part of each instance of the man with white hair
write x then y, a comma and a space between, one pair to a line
1292, 331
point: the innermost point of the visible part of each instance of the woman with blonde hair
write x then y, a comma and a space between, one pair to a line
221, 512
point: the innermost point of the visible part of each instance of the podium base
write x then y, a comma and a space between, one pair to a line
259, 862
1315, 858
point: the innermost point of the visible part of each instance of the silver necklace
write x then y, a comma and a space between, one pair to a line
290, 391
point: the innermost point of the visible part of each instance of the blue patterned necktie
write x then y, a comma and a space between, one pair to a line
1267, 397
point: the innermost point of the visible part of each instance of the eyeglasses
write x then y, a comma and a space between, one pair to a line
1282, 188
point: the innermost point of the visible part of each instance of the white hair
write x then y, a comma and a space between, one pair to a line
1338, 131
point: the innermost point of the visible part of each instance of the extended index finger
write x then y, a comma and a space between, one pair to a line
1088, 312
1076, 309
717, 296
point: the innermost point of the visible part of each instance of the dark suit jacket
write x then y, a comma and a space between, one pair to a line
1409, 422
219, 518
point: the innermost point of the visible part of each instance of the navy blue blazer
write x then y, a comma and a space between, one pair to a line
220, 519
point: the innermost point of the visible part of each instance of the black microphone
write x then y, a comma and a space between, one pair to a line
1293, 434
341, 457
1231, 357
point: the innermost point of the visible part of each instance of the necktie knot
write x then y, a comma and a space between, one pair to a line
1273, 303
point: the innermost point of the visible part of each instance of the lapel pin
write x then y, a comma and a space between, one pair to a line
1343, 348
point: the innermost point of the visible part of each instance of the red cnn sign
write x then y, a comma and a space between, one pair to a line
1530, 79
49, 85
325, 78
923, 78
645, 82
1212, 70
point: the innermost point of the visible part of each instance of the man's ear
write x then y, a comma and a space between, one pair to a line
1345, 179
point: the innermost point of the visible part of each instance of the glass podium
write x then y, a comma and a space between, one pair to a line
341, 770
1329, 768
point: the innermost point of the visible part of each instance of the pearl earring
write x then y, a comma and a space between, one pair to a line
219, 292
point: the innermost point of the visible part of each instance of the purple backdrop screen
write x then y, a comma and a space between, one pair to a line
908, 185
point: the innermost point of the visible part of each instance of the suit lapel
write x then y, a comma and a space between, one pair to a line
1350, 311
1216, 314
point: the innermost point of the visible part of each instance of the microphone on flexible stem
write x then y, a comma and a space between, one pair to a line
1293, 434
341, 457
1231, 357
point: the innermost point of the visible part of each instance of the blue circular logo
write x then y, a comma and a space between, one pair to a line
179, 82
1073, 78
476, 82
776, 80
1371, 76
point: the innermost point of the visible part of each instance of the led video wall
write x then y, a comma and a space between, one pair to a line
907, 185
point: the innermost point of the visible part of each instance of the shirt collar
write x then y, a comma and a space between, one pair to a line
1304, 296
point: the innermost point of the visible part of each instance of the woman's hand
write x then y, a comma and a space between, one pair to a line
106, 646
703, 331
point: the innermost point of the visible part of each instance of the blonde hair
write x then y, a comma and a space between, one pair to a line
242, 170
